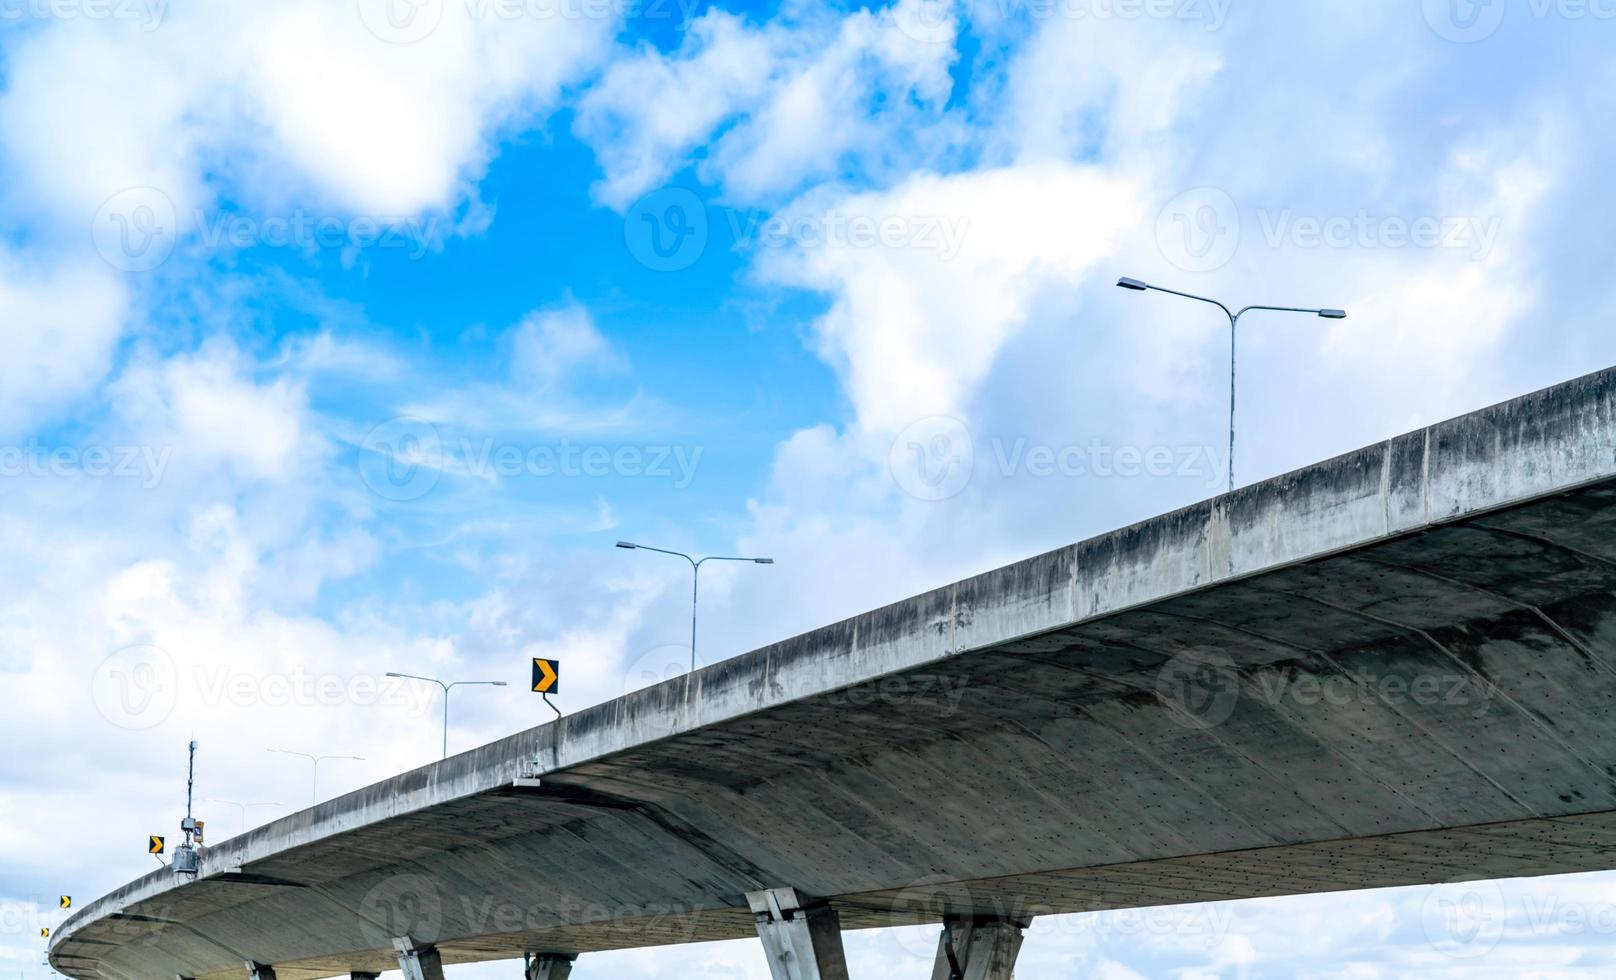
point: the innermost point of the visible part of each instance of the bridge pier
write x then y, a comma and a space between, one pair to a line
419, 961
982, 949
259, 971
803, 939
549, 966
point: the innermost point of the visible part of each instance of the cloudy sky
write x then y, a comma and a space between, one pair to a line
344, 337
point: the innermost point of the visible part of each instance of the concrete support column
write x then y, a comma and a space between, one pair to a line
260, 971
549, 966
419, 961
803, 939
984, 949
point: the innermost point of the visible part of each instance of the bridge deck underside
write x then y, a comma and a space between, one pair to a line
1319, 727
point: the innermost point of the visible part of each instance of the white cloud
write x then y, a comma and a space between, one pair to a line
556, 346
298, 101
62, 322
722, 66
203, 409
783, 104
914, 325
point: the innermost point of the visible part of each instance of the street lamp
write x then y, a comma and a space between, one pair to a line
242, 808
446, 688
1234, 321
314, 780
695, 580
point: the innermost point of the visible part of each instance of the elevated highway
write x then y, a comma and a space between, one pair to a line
1393, 667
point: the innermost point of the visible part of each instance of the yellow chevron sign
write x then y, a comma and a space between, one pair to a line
67, 901
156, 845
546, 676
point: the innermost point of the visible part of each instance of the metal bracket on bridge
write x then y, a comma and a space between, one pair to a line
259, 971
977, 949
419, 961
549, 966
803, 940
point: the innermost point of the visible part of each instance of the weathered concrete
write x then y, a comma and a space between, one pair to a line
977, 949
801, 939
417, 960
1392, 667
550, 966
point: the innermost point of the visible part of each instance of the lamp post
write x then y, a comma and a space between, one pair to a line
446, 688
314, 780
1234, 322
242, 808
695, 580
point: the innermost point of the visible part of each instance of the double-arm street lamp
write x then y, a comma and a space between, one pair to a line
314, 779
446, 688
1234, 321
695, 580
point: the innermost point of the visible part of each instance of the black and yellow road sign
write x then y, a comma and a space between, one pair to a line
67, 901
546, 676
156, 846
44, 933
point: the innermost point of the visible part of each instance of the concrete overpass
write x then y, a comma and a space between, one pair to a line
1394, 667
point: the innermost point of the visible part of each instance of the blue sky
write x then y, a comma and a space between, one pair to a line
349, 337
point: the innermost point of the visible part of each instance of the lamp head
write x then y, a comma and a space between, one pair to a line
628, 545
1134, 284
1333, 314
764, 561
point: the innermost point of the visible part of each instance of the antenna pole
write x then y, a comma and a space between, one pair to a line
190, 782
